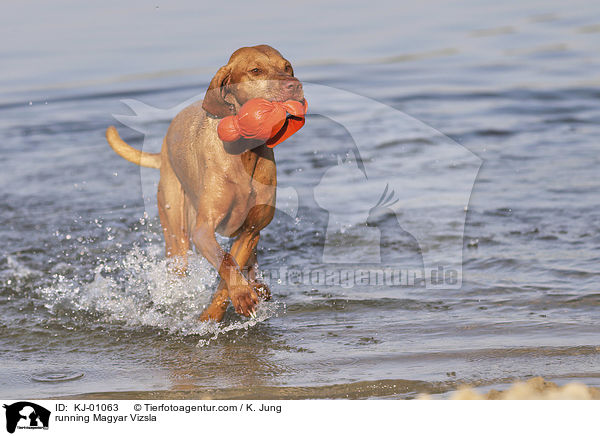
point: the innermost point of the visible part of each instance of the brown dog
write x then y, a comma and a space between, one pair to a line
209, 186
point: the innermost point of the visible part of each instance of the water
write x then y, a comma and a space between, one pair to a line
86, 306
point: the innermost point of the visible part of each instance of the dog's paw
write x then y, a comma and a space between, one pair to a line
244, 299
262, 290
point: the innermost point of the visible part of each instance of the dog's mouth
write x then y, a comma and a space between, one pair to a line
301, 112
270, 120
302, 101
282, 98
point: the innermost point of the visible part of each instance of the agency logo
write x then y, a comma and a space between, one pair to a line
26, 415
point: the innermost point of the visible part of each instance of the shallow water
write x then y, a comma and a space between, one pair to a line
508, 94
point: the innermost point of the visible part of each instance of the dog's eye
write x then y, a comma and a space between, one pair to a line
289, 69
255, 70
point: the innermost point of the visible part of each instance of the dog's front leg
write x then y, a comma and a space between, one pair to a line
240, 291
252, 273
243, 251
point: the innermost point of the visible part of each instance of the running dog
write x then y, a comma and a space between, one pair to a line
208, 186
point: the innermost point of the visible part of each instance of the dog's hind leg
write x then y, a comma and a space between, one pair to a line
173, 218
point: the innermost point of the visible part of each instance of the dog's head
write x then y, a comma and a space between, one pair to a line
252, 72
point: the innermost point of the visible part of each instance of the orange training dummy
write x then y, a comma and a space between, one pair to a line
263, 119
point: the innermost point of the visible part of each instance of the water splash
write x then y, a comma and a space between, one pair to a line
264, 311
136, 291
17, 269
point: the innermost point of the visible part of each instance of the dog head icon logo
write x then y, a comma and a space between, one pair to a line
24, 414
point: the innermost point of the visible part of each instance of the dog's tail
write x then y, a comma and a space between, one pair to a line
127, 152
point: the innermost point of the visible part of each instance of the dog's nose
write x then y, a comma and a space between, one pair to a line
292, 85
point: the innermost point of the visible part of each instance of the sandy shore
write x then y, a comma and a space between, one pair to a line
533, 389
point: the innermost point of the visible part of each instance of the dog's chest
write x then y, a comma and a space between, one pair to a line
259, 165
255, 186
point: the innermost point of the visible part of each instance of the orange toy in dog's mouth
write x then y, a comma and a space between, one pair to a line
270, 121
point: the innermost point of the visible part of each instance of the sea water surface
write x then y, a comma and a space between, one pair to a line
86, 305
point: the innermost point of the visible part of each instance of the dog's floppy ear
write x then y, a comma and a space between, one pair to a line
214, 100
